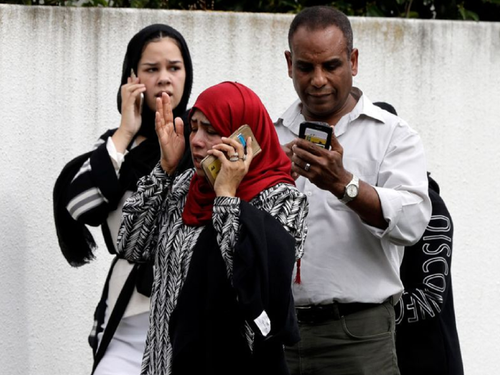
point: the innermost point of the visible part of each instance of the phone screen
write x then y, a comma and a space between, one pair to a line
319, 133
316, 136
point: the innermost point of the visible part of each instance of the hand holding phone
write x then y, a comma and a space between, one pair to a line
317, 132
211, 165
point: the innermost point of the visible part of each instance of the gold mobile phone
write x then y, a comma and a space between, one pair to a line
211, 165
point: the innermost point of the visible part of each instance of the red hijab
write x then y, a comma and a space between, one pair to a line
227, 106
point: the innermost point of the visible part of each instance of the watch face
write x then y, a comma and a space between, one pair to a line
352, 191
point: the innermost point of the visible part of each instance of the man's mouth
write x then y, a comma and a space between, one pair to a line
319, 95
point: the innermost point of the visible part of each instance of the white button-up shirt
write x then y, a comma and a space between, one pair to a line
346, 260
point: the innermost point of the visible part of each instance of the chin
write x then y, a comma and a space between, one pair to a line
320, 110
200, 172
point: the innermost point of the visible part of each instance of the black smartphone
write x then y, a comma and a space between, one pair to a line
317, 132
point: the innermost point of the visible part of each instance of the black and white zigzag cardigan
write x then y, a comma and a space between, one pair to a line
152, 227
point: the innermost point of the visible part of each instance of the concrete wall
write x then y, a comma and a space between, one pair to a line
59, 73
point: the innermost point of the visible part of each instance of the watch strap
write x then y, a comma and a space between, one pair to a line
346, 198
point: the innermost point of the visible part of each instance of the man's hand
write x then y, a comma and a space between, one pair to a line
325, 169
322, 167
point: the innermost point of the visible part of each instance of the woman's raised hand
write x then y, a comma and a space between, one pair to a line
235, 164
131, 112
170, 134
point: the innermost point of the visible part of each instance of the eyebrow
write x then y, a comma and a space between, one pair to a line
334, 60
205, 123
171, 62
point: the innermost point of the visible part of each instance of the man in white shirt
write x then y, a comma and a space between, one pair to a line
368, 199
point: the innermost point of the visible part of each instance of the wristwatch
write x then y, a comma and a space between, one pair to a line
351, 190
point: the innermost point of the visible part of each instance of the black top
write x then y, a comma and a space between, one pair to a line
426, 335
206, 327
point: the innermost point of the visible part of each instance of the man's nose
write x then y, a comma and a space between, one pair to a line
319, 78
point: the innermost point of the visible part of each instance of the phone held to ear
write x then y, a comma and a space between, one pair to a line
317, 132
211, 165
141, 100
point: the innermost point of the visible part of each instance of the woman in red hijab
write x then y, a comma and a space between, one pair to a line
224, 255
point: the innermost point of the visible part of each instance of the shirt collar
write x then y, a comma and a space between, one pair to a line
292, 117
363, 108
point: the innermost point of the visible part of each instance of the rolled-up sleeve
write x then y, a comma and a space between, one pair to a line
403, 189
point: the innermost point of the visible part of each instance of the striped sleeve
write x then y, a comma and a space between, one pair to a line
94, 190
148, 210
290, 207
225, 218
283, 201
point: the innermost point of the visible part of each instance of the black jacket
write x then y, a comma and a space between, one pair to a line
426, 334
206, 327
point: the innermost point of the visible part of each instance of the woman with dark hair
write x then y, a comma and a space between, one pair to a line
92, 188
224, 254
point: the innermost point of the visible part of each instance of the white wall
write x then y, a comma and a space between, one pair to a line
59, 74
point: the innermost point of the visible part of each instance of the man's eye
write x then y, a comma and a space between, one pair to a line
304, 68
